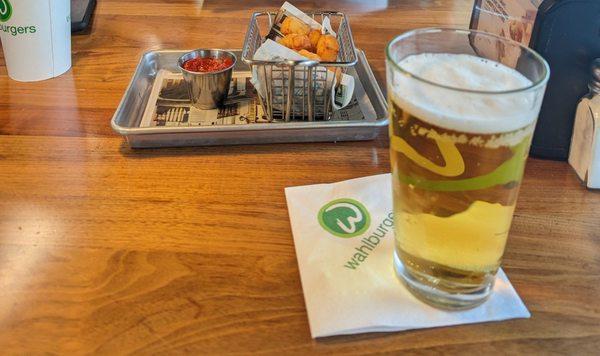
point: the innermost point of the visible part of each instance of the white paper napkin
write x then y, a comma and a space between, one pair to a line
346, 293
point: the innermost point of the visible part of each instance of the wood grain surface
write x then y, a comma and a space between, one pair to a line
99, 255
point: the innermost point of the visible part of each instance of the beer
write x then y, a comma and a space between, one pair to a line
457, 160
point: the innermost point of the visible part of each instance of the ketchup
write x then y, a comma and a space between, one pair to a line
208, 64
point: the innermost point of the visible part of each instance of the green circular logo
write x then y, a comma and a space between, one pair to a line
5, 10
344, 218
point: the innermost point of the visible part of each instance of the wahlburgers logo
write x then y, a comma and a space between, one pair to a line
344, 218
5, 10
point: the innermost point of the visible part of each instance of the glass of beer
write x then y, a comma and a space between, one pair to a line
463, 106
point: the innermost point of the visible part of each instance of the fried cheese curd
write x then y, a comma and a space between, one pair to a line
295, 41
309, 55
328, 48
293, 25
314, 37
308, 42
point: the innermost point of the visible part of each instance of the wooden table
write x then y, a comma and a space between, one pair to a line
98, 254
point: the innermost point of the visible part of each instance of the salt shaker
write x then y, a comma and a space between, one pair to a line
584, 156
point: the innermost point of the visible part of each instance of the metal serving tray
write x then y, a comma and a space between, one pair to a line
128, 115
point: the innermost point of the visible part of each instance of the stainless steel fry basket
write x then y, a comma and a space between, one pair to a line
297, 90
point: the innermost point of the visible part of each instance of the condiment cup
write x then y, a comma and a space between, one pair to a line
207, 90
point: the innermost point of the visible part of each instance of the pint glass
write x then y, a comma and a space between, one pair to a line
463, 107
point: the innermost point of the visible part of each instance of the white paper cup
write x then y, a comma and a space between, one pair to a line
36, 38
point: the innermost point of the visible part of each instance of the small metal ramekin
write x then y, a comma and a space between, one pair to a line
207, 90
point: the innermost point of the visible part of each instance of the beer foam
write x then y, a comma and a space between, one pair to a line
482, 113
